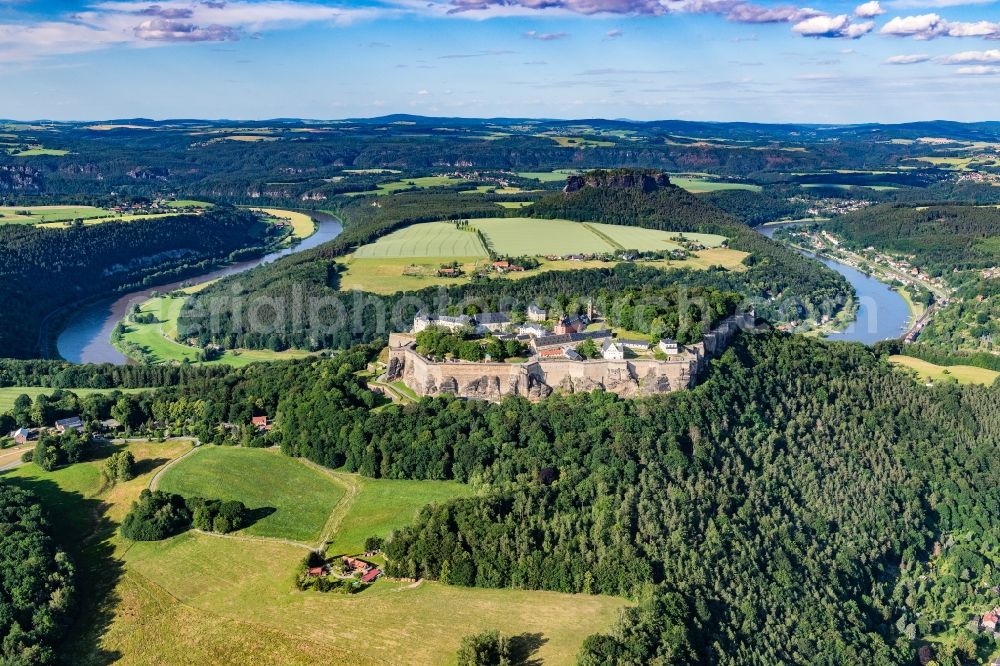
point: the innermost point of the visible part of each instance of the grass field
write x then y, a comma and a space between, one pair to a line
302, 225
431, 239
514, 204
517, 236
157, 339
548, 176
8, 394
204, 599
301, 497
114, 218
387, 276
383, 505
188, 203
31, 152
420, 183
578, 142
699, 185
197, 599
40, 214
963, 374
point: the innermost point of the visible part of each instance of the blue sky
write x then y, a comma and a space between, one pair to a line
826, 62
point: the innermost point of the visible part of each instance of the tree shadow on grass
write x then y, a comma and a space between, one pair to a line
523, 648
81, 527
149, 464
258, 514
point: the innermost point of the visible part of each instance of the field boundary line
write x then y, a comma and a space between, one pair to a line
352, 489
155, 481
603, 236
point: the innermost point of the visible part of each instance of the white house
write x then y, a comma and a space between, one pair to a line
612, 351
668, 346
533, 330
423, 321
634, 345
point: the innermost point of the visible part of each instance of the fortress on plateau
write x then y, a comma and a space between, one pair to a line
543, 373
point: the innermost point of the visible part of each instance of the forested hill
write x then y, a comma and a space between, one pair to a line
42, 270
781, 283
605, 196
941, 239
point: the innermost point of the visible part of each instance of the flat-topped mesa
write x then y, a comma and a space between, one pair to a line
646, 180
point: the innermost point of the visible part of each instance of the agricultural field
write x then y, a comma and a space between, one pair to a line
963, 374
514, 204
43, 214
39, 150
387, 275
294, 500
198, 598
408, 259
421, 183
380, 506
302, 225
430, 239
8, 394
549, 176
578, 142
187, 203
158, 343
699, 184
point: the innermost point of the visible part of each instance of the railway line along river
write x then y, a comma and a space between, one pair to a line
86, 337
882, 313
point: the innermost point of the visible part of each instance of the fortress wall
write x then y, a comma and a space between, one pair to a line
537, 379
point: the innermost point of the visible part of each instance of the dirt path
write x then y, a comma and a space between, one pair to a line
351, 490
11, 458
155, 481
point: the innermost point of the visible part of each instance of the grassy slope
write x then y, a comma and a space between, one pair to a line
301, 498
963, 374
383, 505
197, 599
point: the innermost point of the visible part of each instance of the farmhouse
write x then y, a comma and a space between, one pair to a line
262, 423
21, 435
536, 313
72, 423
370, 575
991, 619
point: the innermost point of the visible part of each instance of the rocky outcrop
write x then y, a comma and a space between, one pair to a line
647, 180
395, 368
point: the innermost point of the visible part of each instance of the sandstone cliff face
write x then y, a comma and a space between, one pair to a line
647, 181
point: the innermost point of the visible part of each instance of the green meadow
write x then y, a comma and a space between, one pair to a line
295, 498
8, 394
699, 185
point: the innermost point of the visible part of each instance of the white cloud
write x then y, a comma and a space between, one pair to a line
936, 4
907, 59
108, 24
832, 27
971, 57
978, 70
929, 26
869, 9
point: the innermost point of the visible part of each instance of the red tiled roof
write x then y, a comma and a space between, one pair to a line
259, 420
370, 576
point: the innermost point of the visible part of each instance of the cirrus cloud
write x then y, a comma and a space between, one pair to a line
907, 59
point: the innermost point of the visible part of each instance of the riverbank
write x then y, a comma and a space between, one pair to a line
86, 337
876, 313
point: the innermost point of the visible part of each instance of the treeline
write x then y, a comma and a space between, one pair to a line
940, 239
157, 515
62, 374
42, 270
37, 581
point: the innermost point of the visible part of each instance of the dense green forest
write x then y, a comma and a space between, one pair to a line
42, 270
780, 283
37, 583
773, 514
941, 239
